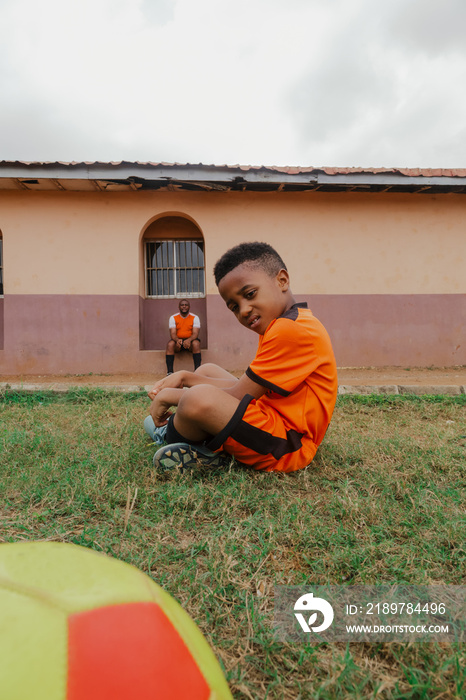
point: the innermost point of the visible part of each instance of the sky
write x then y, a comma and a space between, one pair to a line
342, 83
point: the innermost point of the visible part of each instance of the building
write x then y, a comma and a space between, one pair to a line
94, 256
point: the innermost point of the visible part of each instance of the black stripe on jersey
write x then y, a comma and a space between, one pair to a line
268, 385
293, 312
220, 438
256, 439
263, 443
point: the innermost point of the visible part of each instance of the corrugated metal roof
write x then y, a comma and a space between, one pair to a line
290, 170
127, 175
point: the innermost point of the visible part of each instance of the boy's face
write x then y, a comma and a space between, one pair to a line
254, 296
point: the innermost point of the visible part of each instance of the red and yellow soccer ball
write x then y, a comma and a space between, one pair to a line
77, 625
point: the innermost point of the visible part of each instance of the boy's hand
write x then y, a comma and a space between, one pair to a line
174, 381
161, 405
160, 413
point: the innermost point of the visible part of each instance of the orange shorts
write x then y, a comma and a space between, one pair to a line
258, 436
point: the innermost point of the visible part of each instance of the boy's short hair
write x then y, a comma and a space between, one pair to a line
258, 254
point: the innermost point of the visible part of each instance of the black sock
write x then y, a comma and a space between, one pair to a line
169, 359
172, 435
197, 359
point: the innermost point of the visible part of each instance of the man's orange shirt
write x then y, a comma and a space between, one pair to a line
184, 324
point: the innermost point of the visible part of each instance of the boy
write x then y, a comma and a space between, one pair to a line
274, 417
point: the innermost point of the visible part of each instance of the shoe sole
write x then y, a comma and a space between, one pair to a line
183, 456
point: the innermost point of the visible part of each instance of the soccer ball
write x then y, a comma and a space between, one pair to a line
78, 625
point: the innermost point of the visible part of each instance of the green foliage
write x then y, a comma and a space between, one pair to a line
401, 399
382, 501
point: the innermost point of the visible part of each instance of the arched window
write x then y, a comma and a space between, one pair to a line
174, 259
173, 269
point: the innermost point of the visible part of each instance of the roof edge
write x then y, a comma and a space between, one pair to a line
240, 168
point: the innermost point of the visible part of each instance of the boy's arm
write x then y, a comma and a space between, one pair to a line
236, 387
244, 386
183, 378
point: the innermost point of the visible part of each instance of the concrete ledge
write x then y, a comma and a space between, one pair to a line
34, 387
448, 389
62, 388
414, 389
367, 389
343, 389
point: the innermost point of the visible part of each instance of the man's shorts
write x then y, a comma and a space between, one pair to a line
259, 436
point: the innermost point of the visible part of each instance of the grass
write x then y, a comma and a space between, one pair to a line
382, 502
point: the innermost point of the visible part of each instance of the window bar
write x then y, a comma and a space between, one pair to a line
175, 268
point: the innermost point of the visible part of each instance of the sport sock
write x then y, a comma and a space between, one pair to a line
169, 359
172, 435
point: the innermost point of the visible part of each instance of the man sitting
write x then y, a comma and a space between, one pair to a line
184, 331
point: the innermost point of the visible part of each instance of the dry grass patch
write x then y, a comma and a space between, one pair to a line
382, 502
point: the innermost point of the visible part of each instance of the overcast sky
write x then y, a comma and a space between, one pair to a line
258, 82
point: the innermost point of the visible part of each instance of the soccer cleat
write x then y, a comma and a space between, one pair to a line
181, 455
157, 434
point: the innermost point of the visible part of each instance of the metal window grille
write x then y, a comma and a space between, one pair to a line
175, 268
1, 266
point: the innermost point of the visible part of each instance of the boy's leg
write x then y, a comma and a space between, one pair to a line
214, 371
202, 412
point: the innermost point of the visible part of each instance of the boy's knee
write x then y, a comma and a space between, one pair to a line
196, 402
171, 346
204, 369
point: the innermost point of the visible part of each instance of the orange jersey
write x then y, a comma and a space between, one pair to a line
184, 324
281, 430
